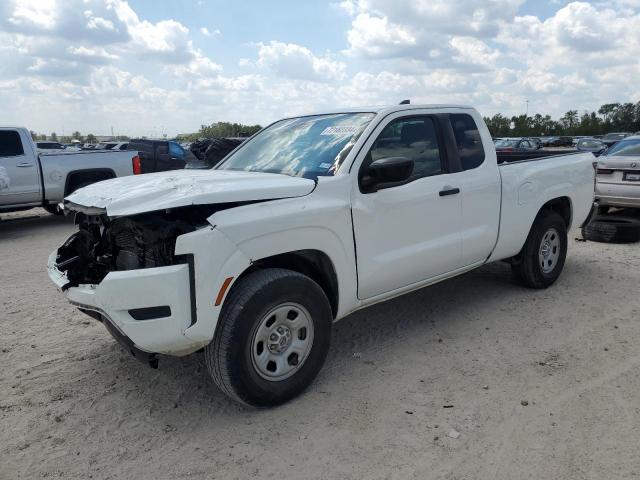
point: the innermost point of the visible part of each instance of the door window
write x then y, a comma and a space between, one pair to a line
468, 140
414, 138
10, 144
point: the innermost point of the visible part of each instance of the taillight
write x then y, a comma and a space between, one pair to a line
137, 165
604, 171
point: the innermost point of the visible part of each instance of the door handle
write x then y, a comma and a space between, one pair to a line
449, 191
25, 165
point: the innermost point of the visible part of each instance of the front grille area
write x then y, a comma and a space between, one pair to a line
102, 245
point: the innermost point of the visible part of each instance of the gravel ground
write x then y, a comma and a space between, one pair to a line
538, 384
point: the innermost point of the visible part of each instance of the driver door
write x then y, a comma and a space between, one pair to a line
408, 233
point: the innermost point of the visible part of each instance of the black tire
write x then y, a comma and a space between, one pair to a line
53, 209
526, 266
612, 229
229, 355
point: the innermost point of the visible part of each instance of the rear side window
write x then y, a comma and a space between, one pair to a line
468, 140
10, 144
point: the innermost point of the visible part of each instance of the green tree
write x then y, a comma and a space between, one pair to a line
498, 125
77, 136
607, 110
569, 121
91, 138
227, 129
54, 137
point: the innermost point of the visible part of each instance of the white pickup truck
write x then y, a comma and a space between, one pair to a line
311, 219
30, 179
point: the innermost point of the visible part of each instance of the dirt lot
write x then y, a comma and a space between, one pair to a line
539, 384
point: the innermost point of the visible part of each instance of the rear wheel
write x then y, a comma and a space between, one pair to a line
272, 339
542, 258
53, 209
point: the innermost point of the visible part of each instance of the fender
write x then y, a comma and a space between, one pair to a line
317, 222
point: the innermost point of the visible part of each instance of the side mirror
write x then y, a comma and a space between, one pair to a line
386, 172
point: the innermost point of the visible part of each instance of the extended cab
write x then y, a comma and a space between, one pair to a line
29, 178
311, 219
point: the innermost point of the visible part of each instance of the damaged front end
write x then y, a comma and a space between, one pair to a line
103, 245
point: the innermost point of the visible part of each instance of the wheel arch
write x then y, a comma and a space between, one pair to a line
560, 205
312, 263
92, 175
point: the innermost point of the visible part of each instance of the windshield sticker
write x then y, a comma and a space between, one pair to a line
340, 131
325, 165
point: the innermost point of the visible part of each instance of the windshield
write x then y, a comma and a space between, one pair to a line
625, 148
614, 136
301, 147
507, 143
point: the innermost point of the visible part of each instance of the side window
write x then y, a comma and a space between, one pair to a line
468, 140
525, 144
414, 138
10, 144
175, 150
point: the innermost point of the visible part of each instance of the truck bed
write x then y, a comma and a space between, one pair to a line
510, 157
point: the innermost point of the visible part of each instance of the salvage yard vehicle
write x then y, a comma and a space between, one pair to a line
618, 180
30, 179
311, 219
159, 155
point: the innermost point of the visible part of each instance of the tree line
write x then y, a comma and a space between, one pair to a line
221, 129
610, 117
90, 138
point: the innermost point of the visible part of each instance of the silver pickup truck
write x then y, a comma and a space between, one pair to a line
30, 179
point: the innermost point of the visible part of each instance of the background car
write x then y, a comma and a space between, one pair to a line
115, 145
49, 146
618, 176
611, 138
560, 142
516, 145
593, 145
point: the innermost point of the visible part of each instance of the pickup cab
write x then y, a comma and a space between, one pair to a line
29, 178
311, 219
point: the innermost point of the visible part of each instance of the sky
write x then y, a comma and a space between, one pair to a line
152, 67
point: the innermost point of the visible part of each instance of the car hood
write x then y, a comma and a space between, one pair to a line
620, 162
178, 188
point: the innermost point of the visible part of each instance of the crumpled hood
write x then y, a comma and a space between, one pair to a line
178, 188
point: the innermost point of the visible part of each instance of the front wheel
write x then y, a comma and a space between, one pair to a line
542, 258
272, 339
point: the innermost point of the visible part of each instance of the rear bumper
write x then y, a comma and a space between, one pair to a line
628, 202
159, 299
618, 194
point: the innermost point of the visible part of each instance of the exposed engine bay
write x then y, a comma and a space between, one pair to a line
104, 244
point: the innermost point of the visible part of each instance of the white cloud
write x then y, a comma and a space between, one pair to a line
207, 33
91, 64
295, 61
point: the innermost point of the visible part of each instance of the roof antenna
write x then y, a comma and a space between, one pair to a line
405, 102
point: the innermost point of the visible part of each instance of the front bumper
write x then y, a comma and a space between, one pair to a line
160, 298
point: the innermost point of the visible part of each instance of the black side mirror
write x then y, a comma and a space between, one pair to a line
385, 173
